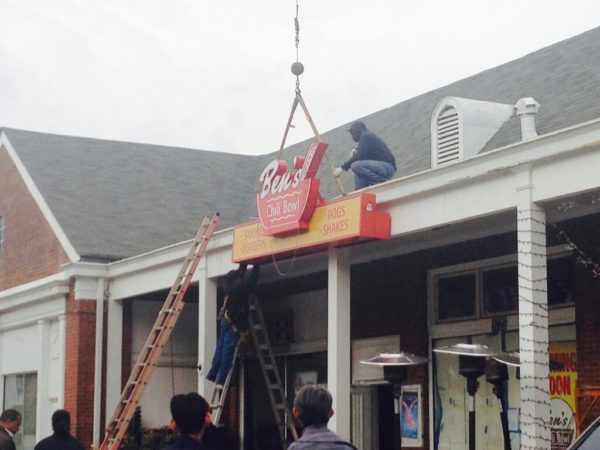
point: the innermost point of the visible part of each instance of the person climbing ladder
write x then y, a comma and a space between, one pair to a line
233, 319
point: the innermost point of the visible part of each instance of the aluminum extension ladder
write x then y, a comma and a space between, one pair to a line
217, 399
264, 352
158, 338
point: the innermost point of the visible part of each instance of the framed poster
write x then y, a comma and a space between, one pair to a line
411, 416
303, 378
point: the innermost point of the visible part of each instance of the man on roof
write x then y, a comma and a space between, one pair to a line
371, 161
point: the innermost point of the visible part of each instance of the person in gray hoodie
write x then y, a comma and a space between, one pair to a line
313, 409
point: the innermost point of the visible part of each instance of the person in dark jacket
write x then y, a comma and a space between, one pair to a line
313, 409
233, 320
372, 161
10, 422
61, 439
190, 417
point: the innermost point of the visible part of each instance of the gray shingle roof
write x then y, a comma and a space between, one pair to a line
116, 199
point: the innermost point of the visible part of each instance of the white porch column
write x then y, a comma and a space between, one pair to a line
338, 339
533, 319
61, 346
1, 370
100, 295
43, 412
207, 326
114, 355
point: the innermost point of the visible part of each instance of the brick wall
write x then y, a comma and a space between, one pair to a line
30, 250
587, 311
79, 365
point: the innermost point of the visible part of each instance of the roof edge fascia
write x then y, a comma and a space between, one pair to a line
39, 199
560, 143
44, 289
170, 254
85, 270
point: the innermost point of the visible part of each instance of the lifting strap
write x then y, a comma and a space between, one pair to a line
158, 338
297, 69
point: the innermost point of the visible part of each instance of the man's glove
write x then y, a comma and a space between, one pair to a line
353, 152
337, 171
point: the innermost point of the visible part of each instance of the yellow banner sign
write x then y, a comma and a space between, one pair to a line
340, 221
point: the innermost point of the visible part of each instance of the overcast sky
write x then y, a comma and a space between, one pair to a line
215, 74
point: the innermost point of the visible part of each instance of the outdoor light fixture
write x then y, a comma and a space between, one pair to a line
394, 370
471, 365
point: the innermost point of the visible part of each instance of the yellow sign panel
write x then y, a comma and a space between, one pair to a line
562, 381
341, 220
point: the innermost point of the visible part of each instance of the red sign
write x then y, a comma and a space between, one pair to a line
287, 200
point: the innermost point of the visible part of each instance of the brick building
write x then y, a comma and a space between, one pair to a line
494, 216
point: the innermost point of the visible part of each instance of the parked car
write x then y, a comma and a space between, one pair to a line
589, 439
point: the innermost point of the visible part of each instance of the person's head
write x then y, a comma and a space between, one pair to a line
190, 413
11, 420
312, 405
357, 129
61, 422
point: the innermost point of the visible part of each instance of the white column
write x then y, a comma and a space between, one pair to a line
42, 417
114, 355
338, 339
207, 327
61, 345
533, 319
98, 362
1, 370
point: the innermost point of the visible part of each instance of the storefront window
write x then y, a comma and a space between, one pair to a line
456, 297
500, 290
20, 393
494, 290
560, 280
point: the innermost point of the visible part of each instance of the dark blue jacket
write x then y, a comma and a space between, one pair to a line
236, 306
371, 147
184, 442
55, 442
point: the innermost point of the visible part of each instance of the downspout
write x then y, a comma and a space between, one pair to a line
101, 296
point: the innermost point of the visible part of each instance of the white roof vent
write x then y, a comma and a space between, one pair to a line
526, 109
460, 127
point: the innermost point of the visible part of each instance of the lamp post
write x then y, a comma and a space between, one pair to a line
496, 374
471, 365
394, 370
